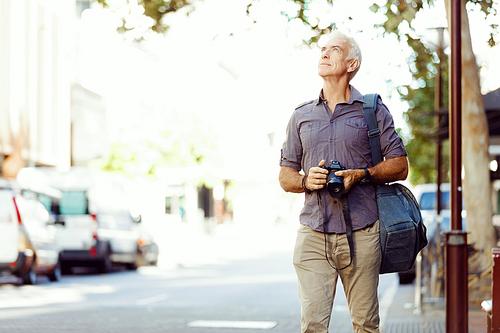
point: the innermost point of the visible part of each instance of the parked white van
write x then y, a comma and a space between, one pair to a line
426, 196
28, 244
92, 217
427, 199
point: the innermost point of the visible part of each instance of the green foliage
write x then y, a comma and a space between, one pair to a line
397, 12
142, 157
156, 10
421, 116
399, 16
303, 14
486, 6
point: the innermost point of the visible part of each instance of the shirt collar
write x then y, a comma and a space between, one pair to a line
355, 96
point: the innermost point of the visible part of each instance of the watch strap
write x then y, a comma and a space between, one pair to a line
308, 191
367, 176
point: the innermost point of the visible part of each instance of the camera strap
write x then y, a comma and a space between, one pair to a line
348, 230
369, 106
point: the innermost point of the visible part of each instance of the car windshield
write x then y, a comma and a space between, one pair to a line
428, 200
73, 203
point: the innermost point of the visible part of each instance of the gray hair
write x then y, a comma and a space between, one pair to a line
354, 50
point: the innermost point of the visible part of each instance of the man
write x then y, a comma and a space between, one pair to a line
333, 128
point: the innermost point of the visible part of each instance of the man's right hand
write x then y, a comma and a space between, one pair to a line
316, 178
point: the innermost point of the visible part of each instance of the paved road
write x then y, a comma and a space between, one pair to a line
245, 294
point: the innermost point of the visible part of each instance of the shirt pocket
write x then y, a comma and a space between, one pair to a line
356, 132
309, 134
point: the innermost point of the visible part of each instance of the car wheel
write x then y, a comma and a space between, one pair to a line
132, 266
66, 268
105, 265
406, 278
56, 273
30, 276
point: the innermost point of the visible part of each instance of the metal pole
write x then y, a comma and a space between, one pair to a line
457, 316
495, 292
456, 117
456, 292
438, 103
418, 287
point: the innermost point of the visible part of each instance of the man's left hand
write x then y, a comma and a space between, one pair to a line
351, 177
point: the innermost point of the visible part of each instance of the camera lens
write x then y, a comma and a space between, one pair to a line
335, 185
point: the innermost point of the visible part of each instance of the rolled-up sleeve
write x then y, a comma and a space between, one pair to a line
291, 152
390, 142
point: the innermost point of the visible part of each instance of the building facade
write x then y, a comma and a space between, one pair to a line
36, 59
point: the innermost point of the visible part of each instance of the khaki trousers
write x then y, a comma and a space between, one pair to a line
318, 280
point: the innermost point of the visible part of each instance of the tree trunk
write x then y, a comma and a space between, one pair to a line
475, 141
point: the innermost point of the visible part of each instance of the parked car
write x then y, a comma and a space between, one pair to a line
427, 200
93, 222
28, 245
426, 197
147, 248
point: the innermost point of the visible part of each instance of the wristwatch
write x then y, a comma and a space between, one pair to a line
308, 191
366, 178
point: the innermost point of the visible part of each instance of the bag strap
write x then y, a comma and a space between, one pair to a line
369, 106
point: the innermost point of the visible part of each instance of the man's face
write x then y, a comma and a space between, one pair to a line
333, 58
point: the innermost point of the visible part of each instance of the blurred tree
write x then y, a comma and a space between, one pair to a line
421, 116
475, 156
187, 143
421, 146
399, 16
155, 10
303, 14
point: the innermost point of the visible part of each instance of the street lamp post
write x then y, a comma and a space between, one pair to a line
456, 270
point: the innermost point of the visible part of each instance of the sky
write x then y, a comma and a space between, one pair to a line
242, 80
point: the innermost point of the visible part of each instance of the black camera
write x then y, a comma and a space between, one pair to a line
334, 184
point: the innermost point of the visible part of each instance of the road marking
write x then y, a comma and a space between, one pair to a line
263, 325
234, 280
154, 299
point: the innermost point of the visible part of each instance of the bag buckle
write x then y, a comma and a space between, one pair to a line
373, 133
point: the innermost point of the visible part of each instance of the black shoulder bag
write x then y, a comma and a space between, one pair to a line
402, 231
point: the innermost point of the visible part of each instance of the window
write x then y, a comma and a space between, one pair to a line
428, 201
45, 200
73, 203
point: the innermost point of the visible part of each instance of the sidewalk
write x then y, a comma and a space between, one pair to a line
228, 244
401, 317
